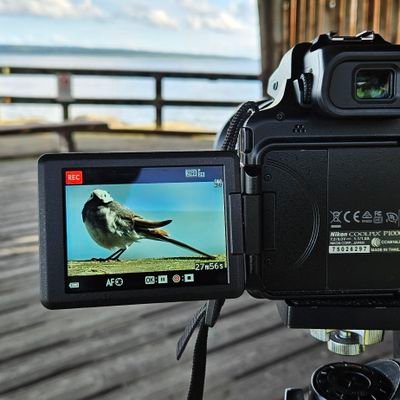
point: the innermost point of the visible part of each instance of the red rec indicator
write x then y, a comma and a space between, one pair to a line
73, 177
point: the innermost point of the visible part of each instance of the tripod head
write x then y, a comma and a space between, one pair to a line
378, 380
347, 342
358, 325
347, 326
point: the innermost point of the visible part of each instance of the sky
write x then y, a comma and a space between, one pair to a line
220, 27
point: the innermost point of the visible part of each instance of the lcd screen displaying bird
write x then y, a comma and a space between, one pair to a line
116, 227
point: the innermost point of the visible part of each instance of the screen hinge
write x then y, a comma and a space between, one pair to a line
235, 215
252, 219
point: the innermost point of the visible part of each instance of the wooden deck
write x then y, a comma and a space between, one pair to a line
116, 353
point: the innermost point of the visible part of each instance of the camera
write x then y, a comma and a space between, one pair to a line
139, 227
306, 208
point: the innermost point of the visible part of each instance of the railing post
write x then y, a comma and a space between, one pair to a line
159, 101
65, 111
64, 95
66, 140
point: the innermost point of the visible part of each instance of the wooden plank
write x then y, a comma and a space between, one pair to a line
321, 16
143, 361
376, 22
342, 17
293, 23
87, 348
398, 24
302, 21
365, 20
19, 262
20, 220
33, 314
78, 353
221, 366
13, 285
86, 321
389, 23
285, 27
20, 299
27, 227
52, 127
353, 17
312, 22
34, 146
20, 240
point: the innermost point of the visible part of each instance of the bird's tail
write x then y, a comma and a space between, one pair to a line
162, 235
186, 246
146, 224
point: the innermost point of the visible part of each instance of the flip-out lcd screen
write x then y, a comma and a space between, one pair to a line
144, 227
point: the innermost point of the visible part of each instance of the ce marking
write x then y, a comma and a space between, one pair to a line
356, 217
345, 217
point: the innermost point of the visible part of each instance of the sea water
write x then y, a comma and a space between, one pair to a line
125, 88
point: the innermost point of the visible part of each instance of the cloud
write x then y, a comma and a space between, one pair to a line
51, 8
198, 6
142, 13
223, 21
160, 18
234, 16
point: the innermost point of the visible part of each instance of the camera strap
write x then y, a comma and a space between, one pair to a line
208, 314
204, 318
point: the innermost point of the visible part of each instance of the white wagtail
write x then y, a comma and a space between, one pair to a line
114, 226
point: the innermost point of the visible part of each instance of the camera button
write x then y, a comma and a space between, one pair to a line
246, 142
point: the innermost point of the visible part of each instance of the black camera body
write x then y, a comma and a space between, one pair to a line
320, 170
317, 215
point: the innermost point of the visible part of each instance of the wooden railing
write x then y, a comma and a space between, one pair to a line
65, 98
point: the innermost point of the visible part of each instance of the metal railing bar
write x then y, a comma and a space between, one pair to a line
105, 101
6, 70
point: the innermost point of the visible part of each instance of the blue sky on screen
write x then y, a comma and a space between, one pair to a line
197, 211
221, 27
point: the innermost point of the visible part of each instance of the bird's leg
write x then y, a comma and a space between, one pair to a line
115, 256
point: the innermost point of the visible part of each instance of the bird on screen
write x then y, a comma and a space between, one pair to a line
116, 227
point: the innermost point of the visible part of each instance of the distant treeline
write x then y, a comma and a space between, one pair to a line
71, 50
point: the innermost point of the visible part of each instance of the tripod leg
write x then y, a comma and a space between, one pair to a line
396, 344
294, 394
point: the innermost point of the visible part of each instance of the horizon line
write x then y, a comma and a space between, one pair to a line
21, 48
